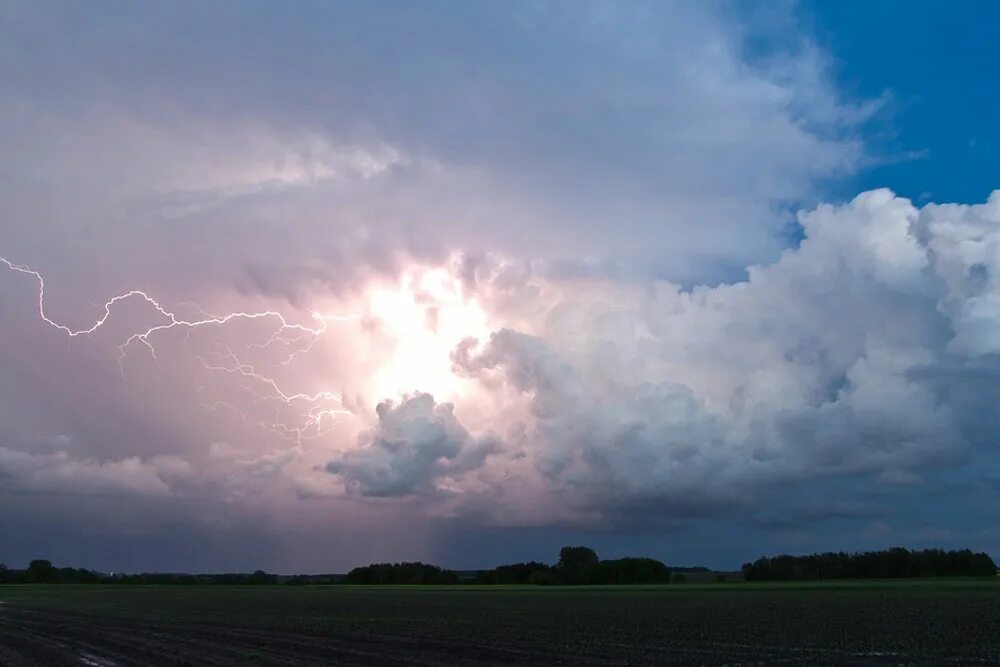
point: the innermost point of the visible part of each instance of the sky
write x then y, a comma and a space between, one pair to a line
303, 287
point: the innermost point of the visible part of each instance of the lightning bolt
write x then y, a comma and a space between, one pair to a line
316, 414
320, 408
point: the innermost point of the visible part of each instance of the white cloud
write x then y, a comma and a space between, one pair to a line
815, 366
413, 445
965, 243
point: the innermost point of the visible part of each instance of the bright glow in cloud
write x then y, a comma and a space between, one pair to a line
426, 317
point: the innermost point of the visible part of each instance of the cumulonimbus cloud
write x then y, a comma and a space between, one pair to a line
553, 162
821, 364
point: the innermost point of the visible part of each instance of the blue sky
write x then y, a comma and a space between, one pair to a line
400, 278
939, 134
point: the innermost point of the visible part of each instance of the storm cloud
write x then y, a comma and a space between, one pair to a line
540, 265
820, 364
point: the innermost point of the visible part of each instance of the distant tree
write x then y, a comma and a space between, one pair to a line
631, 571
541, 577
577, 565
573, 558
41, 572
518, 573
69, 575
401, 573
896, 562
4, 574
688, 569
261, 577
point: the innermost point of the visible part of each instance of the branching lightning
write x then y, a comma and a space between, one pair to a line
319, 408
316, 415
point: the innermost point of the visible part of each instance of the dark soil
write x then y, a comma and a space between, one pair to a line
895, 624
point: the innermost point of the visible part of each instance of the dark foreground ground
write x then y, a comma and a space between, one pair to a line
871, 623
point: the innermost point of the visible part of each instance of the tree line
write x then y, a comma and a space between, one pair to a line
891, 563
575, 566
44, 572
401, 573
579, 566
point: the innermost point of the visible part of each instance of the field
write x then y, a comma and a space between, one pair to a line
875, 622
